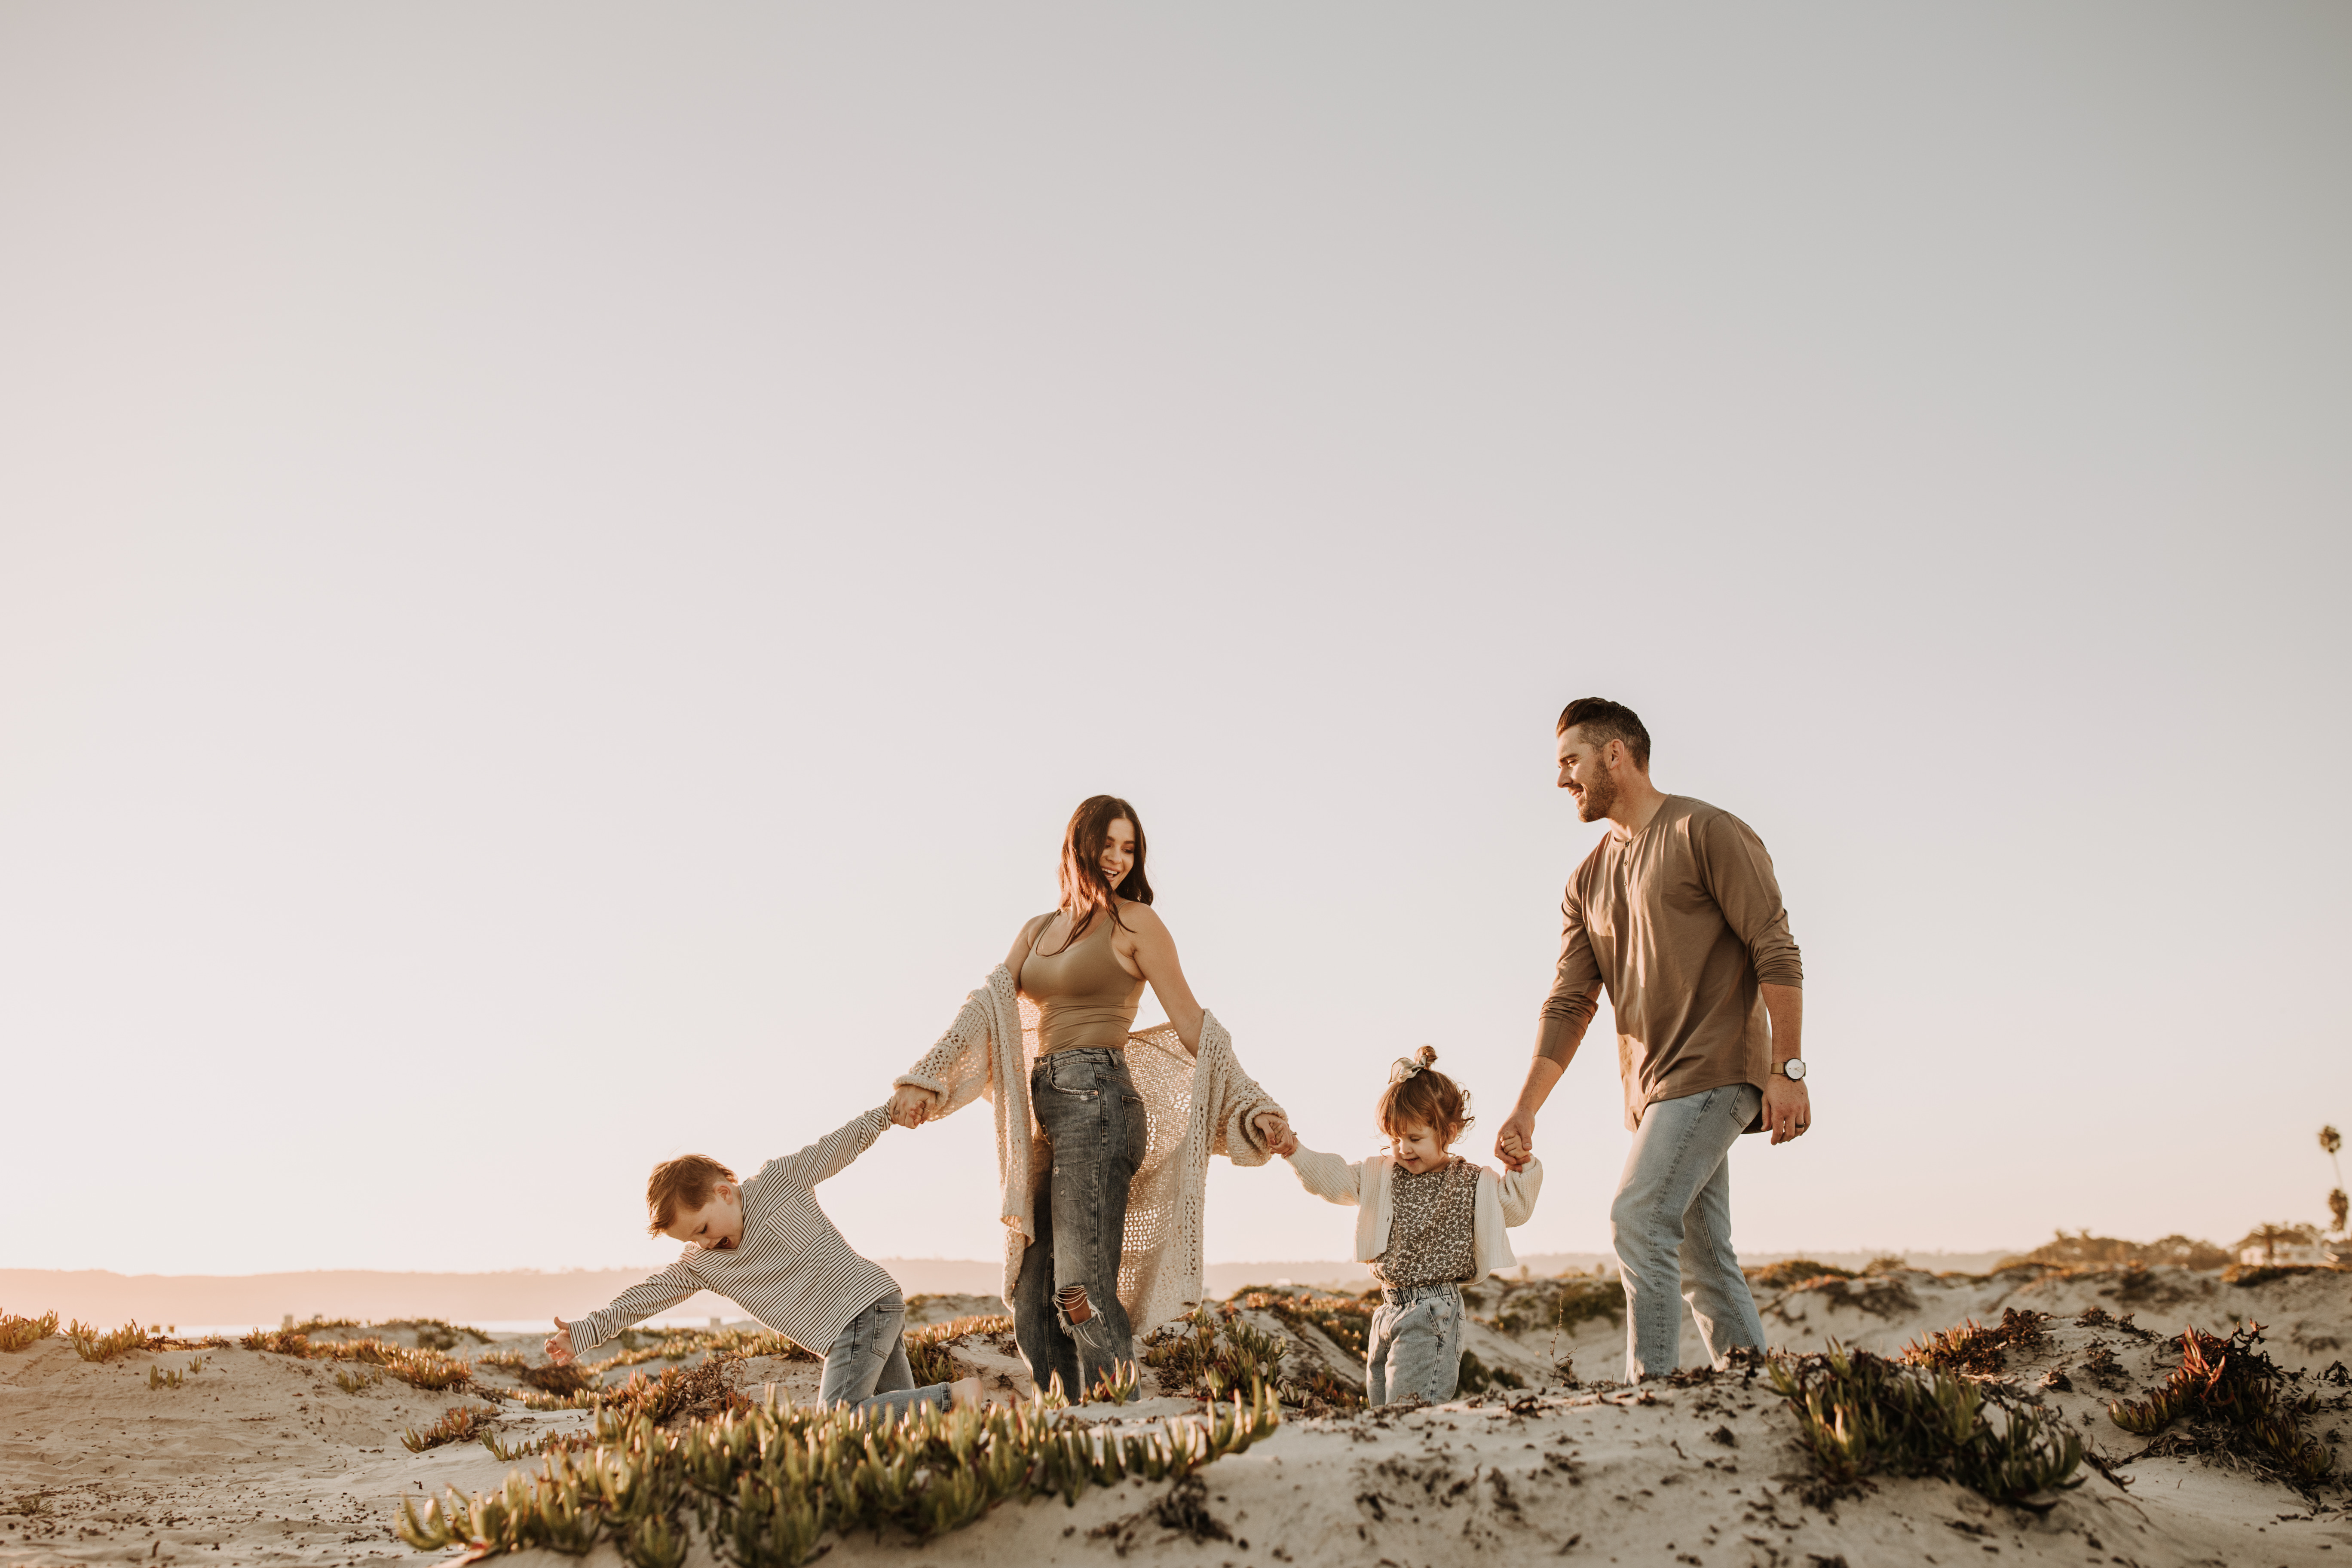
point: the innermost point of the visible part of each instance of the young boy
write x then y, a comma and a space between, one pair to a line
767, 1246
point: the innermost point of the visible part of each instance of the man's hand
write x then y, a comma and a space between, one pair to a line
1515, 1144
1275, 1128
559, 1344
911, 1107
1788, 1107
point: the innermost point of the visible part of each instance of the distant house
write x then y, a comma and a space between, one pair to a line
2285, 1252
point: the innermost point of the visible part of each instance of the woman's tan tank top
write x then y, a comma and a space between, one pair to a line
1083, 996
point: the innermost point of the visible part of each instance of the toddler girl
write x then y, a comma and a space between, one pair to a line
1428, 1223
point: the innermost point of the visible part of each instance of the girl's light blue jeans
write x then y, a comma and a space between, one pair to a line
867, 1368
1415, 1348
1672, 1223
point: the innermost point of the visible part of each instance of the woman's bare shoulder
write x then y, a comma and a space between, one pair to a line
1140, 917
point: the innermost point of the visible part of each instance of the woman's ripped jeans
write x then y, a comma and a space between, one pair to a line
1066, 1315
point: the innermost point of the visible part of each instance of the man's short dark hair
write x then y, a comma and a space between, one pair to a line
1604, 722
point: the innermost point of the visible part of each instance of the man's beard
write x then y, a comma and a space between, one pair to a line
1599, 797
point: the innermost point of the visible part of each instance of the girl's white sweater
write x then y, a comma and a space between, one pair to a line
1503, 1199
1196, 1108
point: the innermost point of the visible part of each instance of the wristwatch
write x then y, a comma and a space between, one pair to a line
1794, 1070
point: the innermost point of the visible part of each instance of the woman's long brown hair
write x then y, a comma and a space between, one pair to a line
1085, 892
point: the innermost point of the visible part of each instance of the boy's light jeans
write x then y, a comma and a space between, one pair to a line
1672, 1216
1414, 1351
866, 1368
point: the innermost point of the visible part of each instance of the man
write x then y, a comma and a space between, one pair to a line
1677, 913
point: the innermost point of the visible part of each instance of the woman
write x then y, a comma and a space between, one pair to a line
1083, 966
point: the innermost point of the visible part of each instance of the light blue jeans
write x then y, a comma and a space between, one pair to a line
1673, 1218
866, 1368
1415, 1348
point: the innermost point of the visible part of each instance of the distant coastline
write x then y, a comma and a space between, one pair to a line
221, 1301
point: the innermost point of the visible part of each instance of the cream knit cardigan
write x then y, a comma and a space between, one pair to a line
1196, 1108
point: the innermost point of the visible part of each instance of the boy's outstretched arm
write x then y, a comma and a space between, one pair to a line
830, 1154
634, 1305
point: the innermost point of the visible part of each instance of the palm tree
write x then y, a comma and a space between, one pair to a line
2330, 1141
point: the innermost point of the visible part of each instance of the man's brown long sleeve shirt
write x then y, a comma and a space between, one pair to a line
1683, 923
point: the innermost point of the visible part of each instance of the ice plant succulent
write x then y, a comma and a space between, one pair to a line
764, 1485
1862, 1416
2228, 1397
22, 1333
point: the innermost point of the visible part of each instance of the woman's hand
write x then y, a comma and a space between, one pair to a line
911, 1107
1275, 1128
559, 1344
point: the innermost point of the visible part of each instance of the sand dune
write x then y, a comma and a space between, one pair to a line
263, 1458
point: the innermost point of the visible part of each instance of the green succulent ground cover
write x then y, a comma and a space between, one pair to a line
1861, 1416
763, 1486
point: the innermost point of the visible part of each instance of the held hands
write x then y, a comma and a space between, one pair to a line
1275, 1128
1515, 1144
1788, 1107
559, 1344
911, 1107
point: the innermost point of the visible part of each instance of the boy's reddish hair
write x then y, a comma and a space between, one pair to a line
1419, 1096
681, 1186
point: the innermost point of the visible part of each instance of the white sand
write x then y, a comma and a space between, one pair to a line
261, 1458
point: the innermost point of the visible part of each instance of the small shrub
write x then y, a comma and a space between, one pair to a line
926, 1350
1319, 1391
91, 1346
1862, 1416
1115, 1386
1882, 1295
353, 1382
639, 1346
1214, 1353
519, 1451
1477, 1377
2246, 1275
554, 1379
1890, 1263
1346, 1320
22, 1333
459, 1424
679, 1394
2228, 1398
434, 1334
30, 1505
1791, 1272
2083, 1250
1980, 1352
1562, 1304
425, 1369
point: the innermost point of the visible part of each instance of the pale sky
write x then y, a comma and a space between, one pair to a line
562, 566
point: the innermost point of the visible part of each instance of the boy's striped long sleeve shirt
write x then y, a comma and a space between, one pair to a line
791, 1270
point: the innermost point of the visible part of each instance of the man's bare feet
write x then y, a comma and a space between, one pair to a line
964, 1394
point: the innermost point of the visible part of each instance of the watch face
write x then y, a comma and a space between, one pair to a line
1793, 1068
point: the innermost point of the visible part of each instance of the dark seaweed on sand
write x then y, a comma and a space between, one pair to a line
2228, 1400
